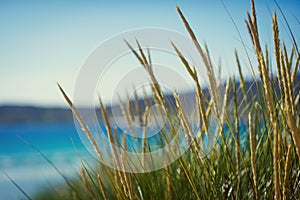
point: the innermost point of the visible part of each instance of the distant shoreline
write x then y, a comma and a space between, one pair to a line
29, 114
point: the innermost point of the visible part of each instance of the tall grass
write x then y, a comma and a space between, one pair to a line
256, 159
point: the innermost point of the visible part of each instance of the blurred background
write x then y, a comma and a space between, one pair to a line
45, 42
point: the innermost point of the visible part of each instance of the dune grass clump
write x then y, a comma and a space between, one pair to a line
256, 155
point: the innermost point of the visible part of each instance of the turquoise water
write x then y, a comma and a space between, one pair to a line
26, 166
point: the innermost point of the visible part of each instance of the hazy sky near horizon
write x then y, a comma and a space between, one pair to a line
45, 42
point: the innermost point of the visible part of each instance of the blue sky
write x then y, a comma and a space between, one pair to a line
44, 42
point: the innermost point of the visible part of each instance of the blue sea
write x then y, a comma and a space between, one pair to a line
20, 157
24, 146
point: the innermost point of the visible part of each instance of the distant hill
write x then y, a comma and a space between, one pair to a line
28, 114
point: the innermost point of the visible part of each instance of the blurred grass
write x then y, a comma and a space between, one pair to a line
256, 159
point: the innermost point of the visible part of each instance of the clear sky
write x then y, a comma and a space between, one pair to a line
45, 42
